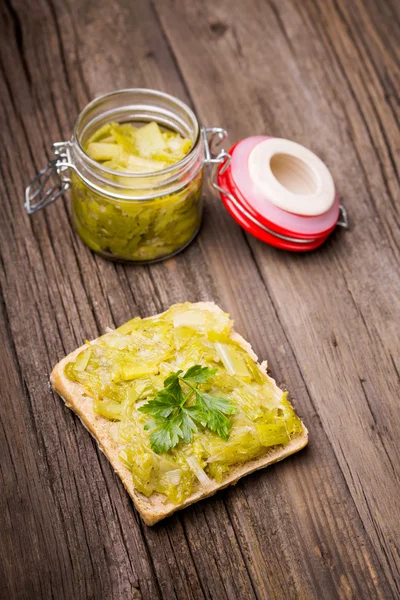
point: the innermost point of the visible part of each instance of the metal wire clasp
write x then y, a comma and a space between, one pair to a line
213, 137
36, 195
343, 220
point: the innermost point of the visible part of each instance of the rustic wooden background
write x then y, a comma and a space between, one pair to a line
322, 524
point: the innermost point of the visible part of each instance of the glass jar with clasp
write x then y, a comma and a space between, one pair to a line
125, 215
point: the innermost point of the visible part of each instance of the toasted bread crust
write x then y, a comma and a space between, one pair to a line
157, 506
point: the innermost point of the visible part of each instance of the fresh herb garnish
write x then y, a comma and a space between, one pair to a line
176, 412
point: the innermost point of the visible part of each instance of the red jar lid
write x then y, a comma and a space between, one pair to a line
280, 192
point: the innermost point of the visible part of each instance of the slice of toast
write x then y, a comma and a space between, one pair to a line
157, 506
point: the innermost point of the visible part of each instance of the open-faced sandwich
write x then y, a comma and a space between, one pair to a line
179, 405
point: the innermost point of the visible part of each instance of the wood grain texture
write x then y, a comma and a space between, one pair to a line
323, 524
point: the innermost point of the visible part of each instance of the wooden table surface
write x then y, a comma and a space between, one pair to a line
322, 524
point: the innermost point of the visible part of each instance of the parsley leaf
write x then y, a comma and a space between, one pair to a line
162, 405
198, 374
214, 409
172, 379
173, 419
188, 425
167, 434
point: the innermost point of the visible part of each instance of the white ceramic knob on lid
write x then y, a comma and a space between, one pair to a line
291, 177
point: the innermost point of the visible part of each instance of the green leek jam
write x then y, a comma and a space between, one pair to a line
137, 230
125, 368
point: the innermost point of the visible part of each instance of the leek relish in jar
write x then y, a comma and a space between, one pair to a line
137, 162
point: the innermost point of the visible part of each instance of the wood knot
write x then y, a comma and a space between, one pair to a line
218, 28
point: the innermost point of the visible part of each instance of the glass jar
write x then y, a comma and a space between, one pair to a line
126, 216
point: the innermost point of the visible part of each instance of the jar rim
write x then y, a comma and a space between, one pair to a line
155, 93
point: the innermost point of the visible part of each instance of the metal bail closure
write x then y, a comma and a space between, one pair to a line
38, 194
343, 220
213, 138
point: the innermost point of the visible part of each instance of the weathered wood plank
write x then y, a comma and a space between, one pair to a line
301, 529
347, 343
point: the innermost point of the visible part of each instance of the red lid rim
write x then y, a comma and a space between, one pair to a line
246, 215
292, 231
264, 223
268, 237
